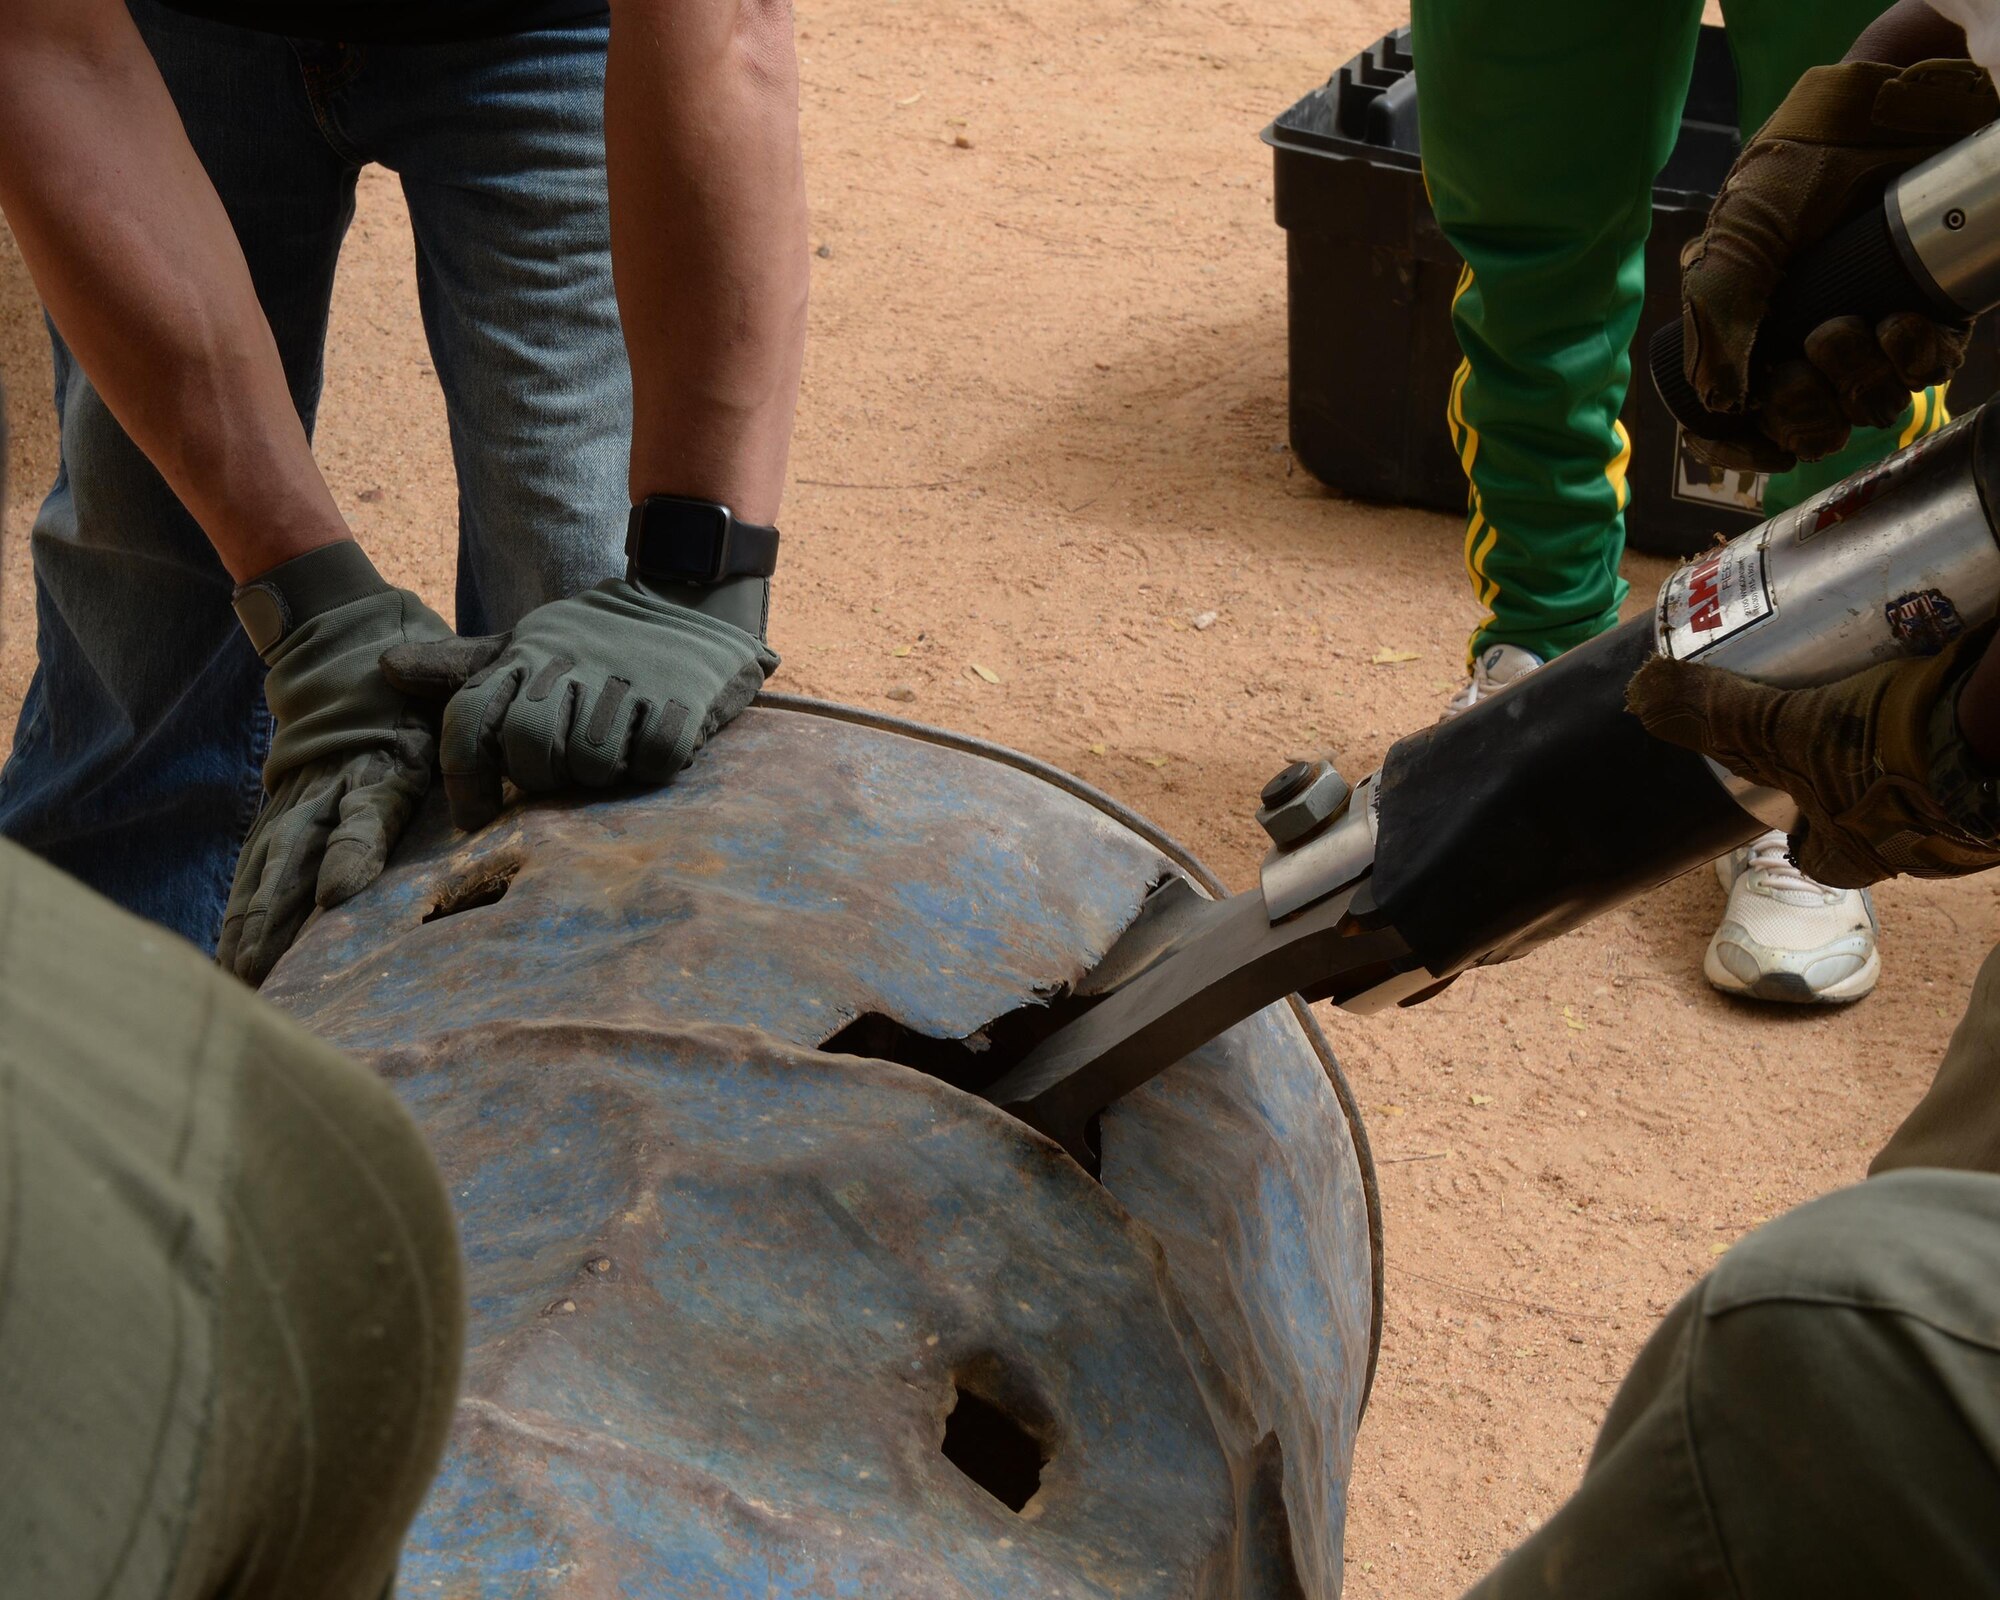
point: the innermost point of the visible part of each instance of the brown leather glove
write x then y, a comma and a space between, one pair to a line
1828, 151
1861, 757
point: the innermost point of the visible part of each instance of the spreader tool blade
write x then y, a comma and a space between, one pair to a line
1227, 963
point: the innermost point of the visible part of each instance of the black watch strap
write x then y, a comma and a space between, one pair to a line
273, 603
670, 539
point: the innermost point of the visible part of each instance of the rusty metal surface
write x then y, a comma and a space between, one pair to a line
727, 1286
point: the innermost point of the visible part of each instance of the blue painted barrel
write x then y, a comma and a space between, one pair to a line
764, 1303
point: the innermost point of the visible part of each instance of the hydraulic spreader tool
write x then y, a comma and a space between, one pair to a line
1547, 804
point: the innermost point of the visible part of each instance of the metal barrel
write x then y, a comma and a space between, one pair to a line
765, 1300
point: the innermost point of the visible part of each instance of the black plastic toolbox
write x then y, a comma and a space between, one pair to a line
1369, 283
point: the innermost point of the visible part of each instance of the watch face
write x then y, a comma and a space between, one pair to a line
704, 532
687, 540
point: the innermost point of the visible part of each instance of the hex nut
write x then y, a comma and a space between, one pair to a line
1309, 805
1288, 783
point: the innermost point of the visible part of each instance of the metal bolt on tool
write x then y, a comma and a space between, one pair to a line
1287, 783
1299, 800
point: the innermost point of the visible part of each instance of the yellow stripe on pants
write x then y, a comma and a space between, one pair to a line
1614, 471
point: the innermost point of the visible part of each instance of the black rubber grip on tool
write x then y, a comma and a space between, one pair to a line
1540, 807
1855, 271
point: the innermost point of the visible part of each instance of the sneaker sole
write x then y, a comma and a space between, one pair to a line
1791, 988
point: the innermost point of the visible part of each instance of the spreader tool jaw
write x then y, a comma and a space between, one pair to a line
1189, 967
1479, 839
1226, 961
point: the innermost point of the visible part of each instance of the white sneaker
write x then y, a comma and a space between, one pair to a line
1785, 937
1498, 665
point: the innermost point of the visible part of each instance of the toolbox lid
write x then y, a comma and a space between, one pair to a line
1368, 111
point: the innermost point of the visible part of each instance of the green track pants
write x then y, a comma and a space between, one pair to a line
1543, 128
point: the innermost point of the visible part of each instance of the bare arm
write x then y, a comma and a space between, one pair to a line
708, 234
135, 259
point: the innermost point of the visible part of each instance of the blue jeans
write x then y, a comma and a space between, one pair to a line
137, 755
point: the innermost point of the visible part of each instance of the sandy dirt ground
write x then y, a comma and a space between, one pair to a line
1044, 429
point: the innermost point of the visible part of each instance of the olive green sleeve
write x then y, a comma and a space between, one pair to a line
230, 1300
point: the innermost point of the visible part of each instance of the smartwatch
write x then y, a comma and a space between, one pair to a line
670, 539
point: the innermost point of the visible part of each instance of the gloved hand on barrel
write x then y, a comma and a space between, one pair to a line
1840, 137
350, 757
616, 684
1895, 769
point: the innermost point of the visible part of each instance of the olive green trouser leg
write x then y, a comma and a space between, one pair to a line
1957, 1123
1819, 1417
230, 1303
1543, 128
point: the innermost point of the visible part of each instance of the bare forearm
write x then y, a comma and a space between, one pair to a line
135, 259
708, 228
1909, 32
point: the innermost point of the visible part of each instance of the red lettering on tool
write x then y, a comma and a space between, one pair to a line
1860, 494
1705, 597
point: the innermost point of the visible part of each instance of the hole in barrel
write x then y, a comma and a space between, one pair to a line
983, 1057
993, 1448
973, 1063
487, 887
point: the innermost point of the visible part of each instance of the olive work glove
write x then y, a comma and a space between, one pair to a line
1828, 152
350, 759
1875, 761
616, 684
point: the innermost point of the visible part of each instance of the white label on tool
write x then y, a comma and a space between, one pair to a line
1714, 599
